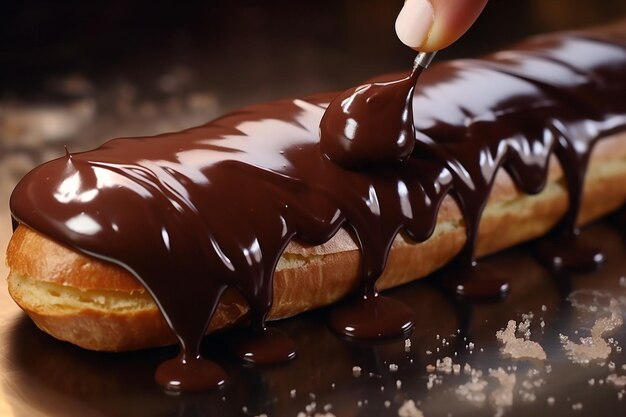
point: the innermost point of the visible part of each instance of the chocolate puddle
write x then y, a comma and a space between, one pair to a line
476, 281
195, 212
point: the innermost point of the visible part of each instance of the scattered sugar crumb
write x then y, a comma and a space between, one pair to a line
524, 326
444, 365
473, 391
550, 400
393, 367
356, 371
407, 345
431, 381
594, 347
528, 396
617, 381
387, 403
519, 348
577, 406
398, 384
502, 397
408, 409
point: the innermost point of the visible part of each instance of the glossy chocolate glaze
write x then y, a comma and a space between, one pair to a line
371, 125
195, 212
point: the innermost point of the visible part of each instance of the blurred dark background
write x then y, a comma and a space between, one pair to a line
243, 50
78, 72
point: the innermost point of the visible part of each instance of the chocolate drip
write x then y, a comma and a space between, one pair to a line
266, 347
371, 317
476, 281
371, 125
566, 252
189, 373
193, 213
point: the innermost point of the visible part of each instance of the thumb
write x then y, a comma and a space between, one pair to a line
430, 25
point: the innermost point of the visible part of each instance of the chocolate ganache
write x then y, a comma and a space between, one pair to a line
372, 124
193, 213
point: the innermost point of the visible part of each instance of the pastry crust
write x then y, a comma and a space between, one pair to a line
101, 306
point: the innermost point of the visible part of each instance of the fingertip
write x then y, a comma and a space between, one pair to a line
452, 20
414, 23
431, 25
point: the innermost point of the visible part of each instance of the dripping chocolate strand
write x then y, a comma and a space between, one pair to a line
371, 126
193, 213
564, 249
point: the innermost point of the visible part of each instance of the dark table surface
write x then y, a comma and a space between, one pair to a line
76, 75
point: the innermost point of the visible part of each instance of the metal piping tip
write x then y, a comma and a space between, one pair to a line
423, 59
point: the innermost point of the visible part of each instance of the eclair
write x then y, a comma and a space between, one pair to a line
101, 306
148, 241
